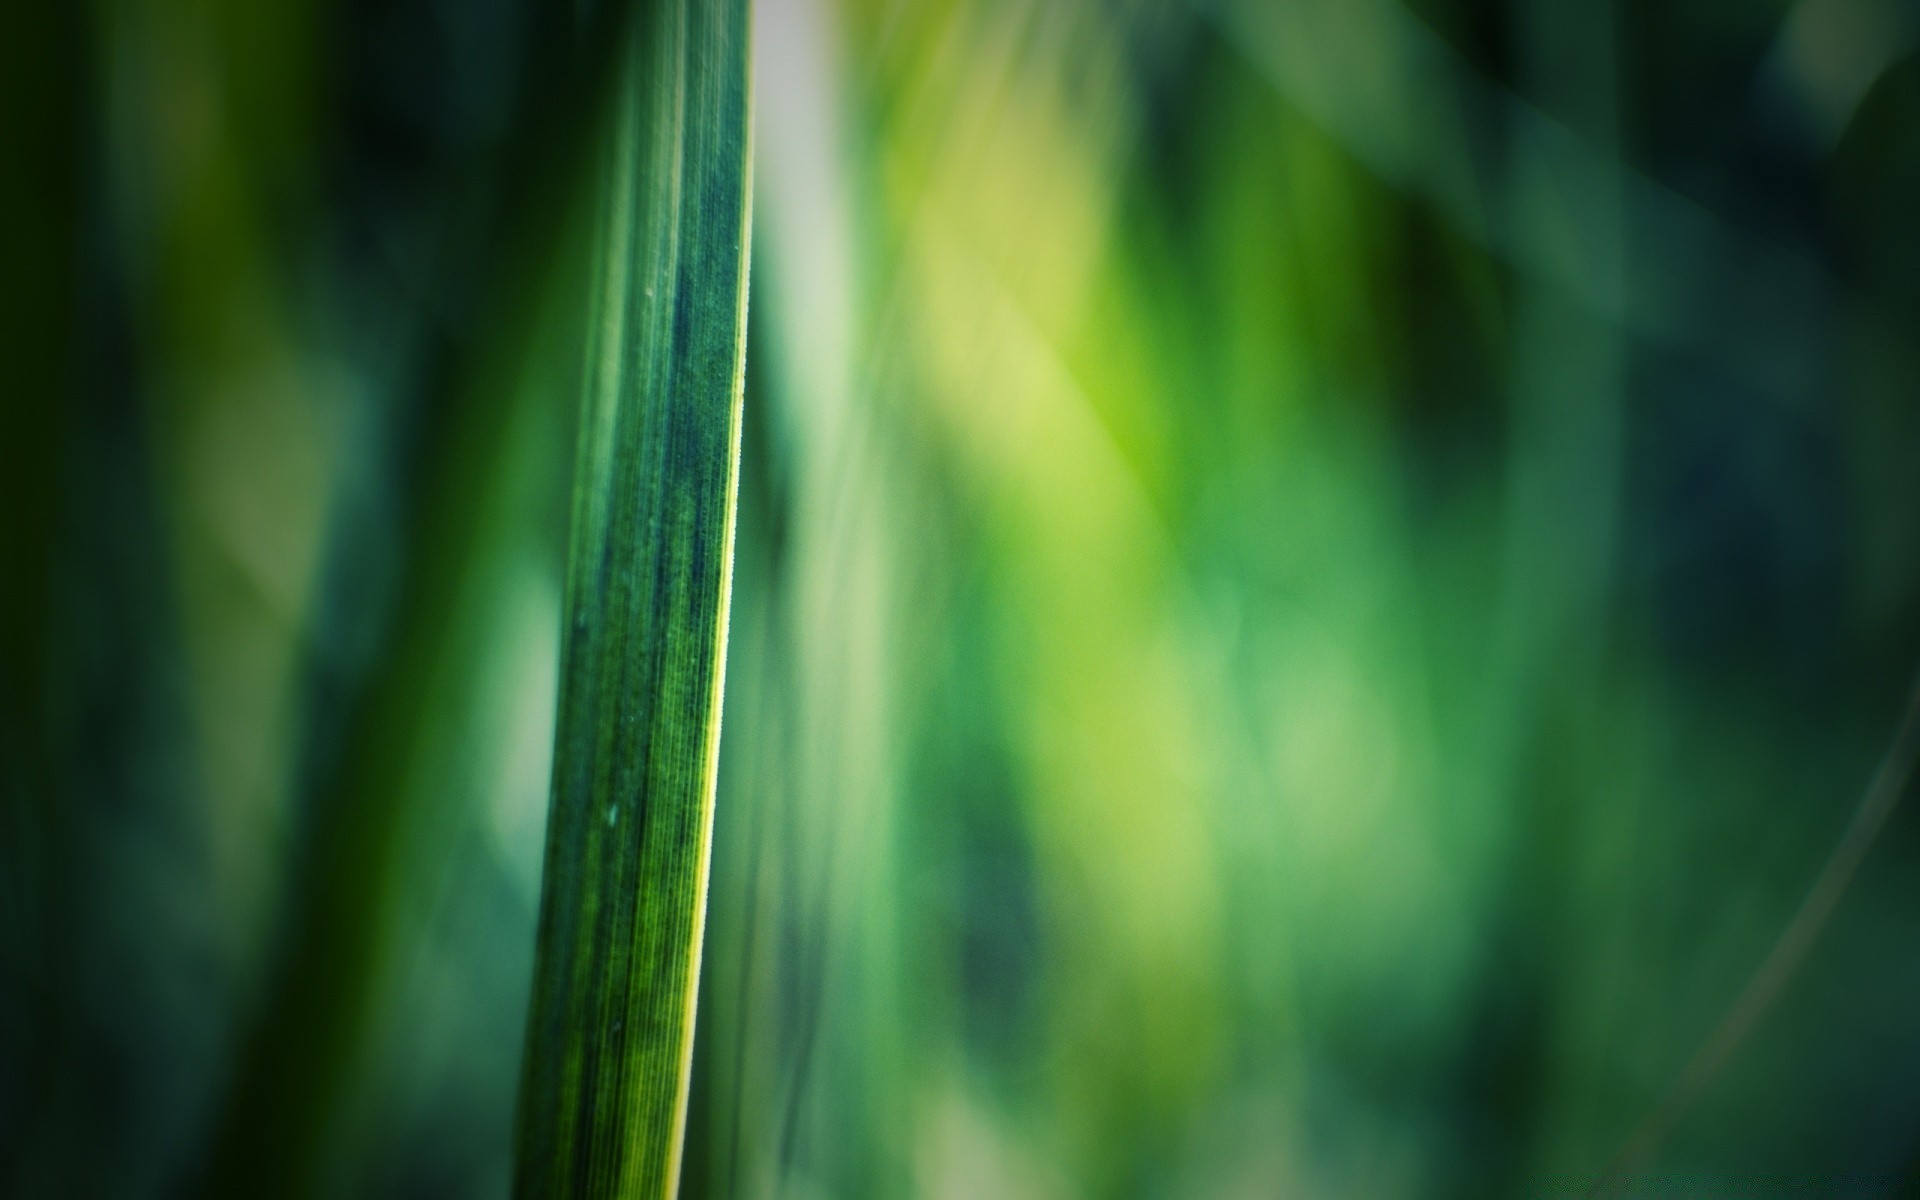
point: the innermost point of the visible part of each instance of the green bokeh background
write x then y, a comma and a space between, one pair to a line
1316, 581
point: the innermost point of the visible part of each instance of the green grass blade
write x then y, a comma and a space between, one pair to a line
603, 1091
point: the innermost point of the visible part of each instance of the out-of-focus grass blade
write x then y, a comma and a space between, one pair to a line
379, 811
603, 1090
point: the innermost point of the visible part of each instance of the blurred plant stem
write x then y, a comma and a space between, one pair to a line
380, 820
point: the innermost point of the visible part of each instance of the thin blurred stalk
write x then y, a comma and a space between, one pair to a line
603, 1099
801, 1029
293, 1078
1783, 960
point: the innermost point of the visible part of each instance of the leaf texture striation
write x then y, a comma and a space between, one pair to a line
602, 1108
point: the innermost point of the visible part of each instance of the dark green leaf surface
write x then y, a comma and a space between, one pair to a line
603, 1092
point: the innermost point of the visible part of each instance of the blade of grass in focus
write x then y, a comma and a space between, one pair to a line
603, 1089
